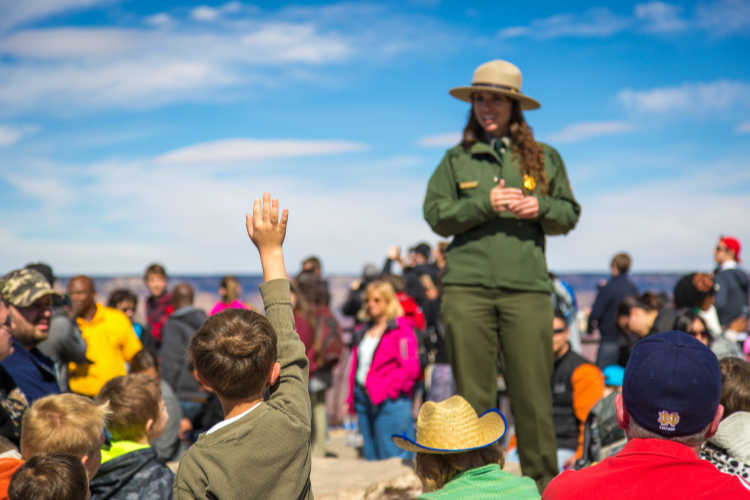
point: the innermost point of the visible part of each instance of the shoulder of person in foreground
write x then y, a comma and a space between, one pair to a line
266, 228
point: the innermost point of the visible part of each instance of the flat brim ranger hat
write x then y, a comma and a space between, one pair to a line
499, 77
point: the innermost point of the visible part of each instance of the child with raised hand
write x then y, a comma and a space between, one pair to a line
262, 447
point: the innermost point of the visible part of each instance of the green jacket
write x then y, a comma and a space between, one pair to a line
486, 483
266, 453
490, 249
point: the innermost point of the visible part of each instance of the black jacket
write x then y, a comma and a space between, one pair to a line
567, 426
138, 475
604, 311
178, 330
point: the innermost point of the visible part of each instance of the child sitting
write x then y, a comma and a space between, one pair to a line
50, 476
458, 455
62, 423
130, 466
262, 447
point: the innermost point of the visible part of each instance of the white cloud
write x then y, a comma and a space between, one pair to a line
440, 140
660, 223
660, 17
743, 128
18, 12
689, 97
76, 69
231, 151
581, 131
596, 22
209, 14
47, 190
10, 135
720, 17
724, 17
160, 19
204, 13
193, 219
74, 43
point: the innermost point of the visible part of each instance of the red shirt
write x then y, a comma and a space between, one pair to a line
648, 469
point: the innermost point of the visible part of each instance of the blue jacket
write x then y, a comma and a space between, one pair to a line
33, 372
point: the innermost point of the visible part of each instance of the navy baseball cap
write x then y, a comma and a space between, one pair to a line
672, 384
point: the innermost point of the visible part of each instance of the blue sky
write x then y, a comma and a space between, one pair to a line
134, 131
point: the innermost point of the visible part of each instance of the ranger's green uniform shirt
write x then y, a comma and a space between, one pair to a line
490, 249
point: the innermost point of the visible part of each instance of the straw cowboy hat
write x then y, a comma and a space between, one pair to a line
500, 77
452, 426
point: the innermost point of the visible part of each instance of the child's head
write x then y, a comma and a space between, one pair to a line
124, 300
50, 476
434, 470
735, 385
138, 410
145, 362
234, 353
229, 289
156, 279
451, 439
68, 424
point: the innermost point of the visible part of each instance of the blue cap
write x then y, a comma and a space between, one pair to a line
672, 384
613, 375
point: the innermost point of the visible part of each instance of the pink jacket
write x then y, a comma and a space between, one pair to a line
395, 365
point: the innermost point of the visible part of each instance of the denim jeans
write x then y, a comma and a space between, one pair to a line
378, 422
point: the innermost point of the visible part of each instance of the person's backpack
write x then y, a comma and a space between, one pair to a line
602, 437
328, 345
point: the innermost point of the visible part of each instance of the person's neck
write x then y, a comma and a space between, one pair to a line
89, 313
234, 408
562, 351
380, 322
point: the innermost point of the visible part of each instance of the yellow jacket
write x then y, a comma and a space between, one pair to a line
111, 343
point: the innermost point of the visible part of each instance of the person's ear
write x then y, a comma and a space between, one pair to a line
149, 425
204, 385
714, 425
273, 375
623, 417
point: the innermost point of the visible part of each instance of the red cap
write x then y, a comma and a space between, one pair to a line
733, 244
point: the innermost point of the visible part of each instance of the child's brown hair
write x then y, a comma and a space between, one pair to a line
63, 423
133, 400
50, 476
735, 385
234, 352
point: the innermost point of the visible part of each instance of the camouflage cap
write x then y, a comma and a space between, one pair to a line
23, 287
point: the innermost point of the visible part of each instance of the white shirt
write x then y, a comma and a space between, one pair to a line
365, 353
228, 421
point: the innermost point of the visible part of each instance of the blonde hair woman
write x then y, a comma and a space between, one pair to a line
384, 369
499, 193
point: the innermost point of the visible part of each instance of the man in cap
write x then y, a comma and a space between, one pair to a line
29, 298
64, 343
732, 294
668, 407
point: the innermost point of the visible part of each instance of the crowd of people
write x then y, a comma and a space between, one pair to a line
239, 398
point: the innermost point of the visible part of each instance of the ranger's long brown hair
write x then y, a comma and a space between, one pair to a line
525, 146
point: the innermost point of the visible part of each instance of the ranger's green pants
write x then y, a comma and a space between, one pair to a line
484, 323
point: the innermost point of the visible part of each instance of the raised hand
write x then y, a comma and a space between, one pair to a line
267, 231
502, 197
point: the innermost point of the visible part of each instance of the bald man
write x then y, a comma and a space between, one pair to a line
179, 328
110, 339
